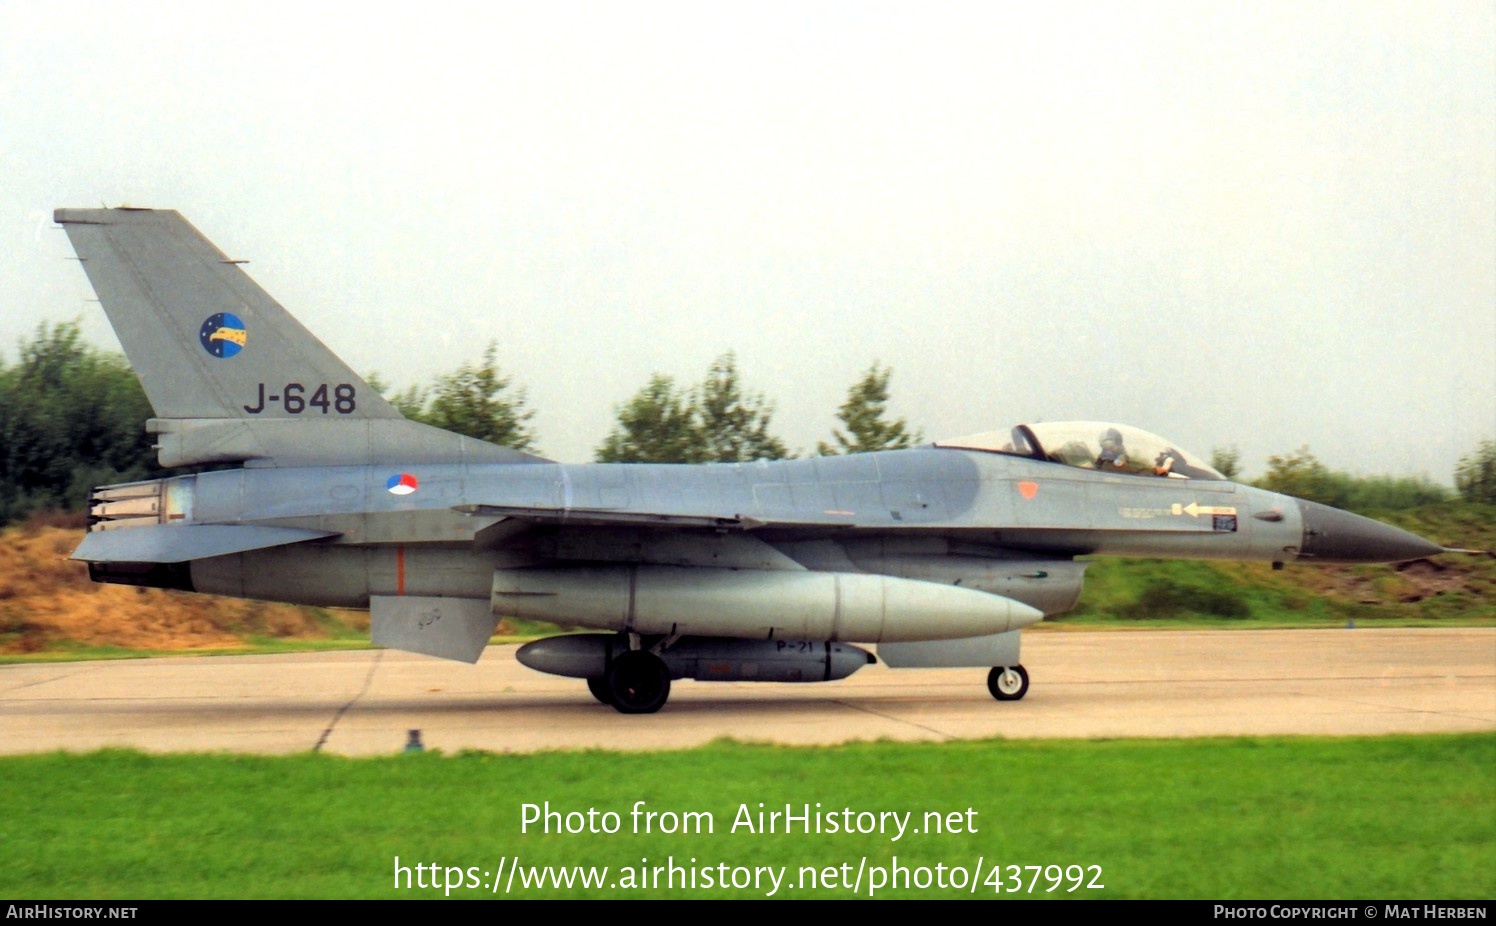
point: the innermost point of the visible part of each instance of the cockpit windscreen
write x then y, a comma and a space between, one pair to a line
1094, 445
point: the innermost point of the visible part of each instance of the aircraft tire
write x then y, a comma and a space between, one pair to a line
638, 682
1008, 683
598, 685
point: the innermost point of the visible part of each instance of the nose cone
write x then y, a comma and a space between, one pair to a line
1335, 536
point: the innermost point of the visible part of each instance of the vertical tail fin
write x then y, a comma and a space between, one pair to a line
231, 375
205, 339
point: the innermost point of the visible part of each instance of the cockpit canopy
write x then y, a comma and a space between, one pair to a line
1094, 445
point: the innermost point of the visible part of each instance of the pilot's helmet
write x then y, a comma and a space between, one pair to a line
1111, 436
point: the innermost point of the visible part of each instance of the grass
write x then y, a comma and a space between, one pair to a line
1391, 817
340, 636
1457, 591
1454, 590
73, 651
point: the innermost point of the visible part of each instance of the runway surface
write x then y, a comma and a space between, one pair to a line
1084, 684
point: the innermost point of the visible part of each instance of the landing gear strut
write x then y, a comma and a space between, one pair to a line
1008, 683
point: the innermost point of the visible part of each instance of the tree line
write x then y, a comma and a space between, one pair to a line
72, 417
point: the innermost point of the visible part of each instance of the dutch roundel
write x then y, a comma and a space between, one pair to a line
401, 484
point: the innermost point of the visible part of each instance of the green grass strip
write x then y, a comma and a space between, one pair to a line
1388, 817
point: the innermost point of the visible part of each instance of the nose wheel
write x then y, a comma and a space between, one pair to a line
1008, 683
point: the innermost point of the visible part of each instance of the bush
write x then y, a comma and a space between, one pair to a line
1173, 599
1475, 476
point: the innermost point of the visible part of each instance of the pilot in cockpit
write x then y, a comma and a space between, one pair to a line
1113, 454
1164, 465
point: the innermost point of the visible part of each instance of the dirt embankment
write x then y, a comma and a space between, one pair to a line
47, 599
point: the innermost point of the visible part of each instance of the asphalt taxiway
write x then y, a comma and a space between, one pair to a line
1085, 684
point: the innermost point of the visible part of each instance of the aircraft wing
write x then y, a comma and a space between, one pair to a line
611, 517
179, 543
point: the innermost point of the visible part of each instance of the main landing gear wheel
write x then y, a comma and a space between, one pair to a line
637, 682
1008, 683
598, 685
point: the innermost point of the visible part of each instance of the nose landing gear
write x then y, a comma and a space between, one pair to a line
1008, 683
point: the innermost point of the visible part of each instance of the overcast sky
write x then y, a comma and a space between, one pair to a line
1258, 224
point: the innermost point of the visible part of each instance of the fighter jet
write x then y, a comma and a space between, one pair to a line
763, 571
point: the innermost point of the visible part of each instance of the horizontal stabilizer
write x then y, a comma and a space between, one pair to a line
449, 628
179, 543
333, 442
